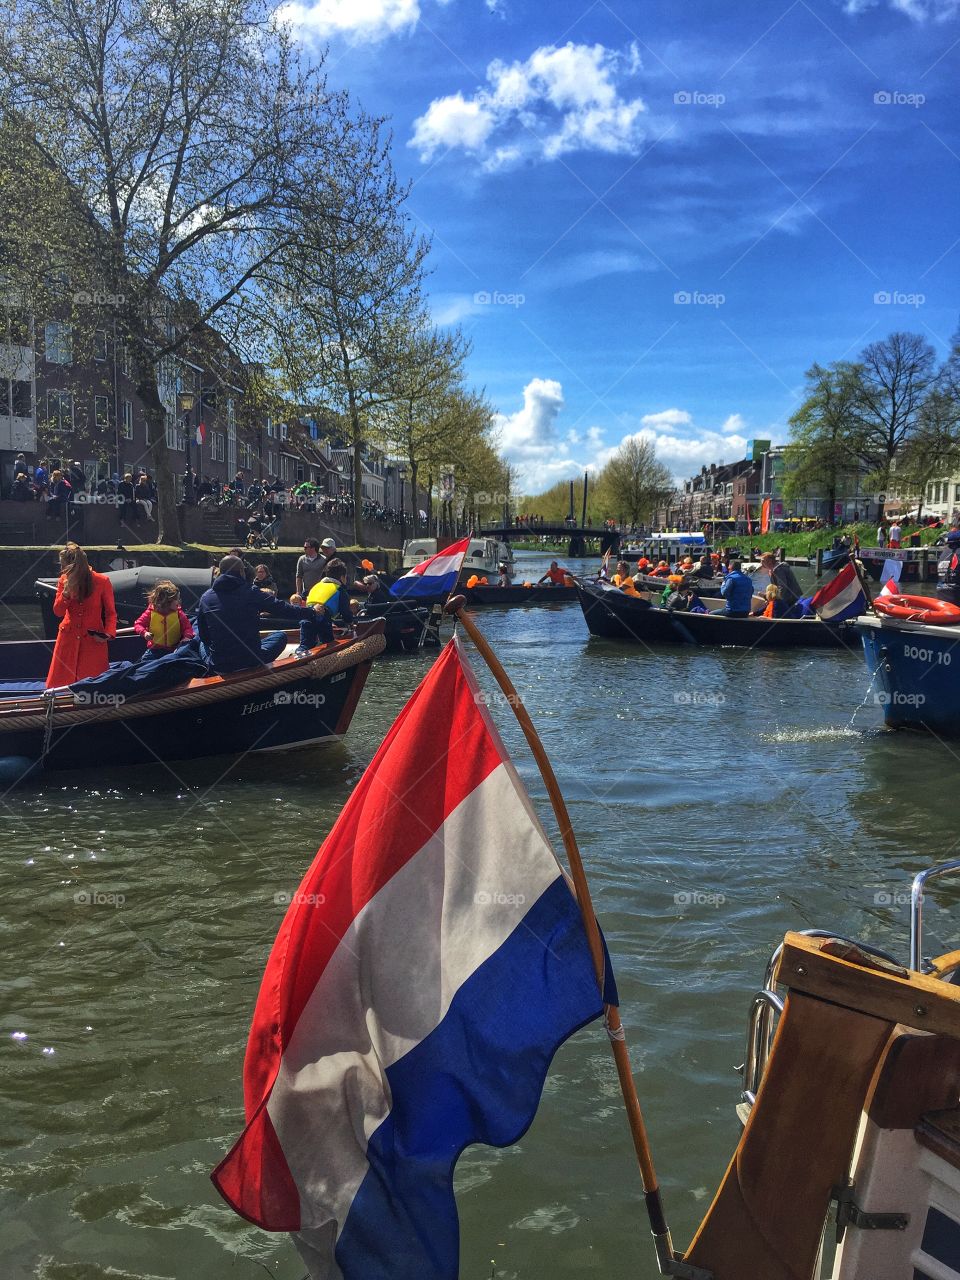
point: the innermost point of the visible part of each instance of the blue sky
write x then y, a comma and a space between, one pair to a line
651, 218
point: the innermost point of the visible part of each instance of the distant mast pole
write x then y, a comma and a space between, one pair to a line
570, 517
583, 518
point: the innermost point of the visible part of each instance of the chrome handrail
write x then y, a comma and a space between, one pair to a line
916, 909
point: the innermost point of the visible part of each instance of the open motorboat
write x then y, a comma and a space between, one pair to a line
484, 555
611, 613
292, 702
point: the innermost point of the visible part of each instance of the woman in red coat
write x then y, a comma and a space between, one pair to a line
84, 601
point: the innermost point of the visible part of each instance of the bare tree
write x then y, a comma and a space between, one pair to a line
893, 378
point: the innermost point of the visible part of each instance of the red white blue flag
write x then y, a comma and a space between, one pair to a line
842, 598
435, 576
429, 966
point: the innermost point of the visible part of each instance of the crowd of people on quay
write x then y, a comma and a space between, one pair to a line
225, 627
64, 487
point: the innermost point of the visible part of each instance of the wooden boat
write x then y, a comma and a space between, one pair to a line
292, 702
519, 594
706, 587
850, 1101
615, 616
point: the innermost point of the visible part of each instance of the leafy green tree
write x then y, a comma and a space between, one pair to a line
933, 451
634, 482
826, 446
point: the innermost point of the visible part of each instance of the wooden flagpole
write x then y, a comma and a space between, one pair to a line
669, 1263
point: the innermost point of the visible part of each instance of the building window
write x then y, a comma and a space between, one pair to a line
283, 431
99, 344
270, 432
126, 420
58, 342
16, 398
217, 452
126, 364
271, 462
101, 412
176, 437
60, 410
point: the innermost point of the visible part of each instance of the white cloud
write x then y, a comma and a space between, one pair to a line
733, 425
452, 308
578, 268
560, 99
356, 20
918, 10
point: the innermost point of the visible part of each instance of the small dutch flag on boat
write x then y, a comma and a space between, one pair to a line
842, 598
435, 576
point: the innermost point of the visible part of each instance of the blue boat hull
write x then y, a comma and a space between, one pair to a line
916, 670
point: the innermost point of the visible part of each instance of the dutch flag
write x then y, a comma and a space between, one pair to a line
842, 598
435, 576
428, 967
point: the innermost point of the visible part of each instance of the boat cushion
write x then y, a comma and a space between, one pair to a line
21, 688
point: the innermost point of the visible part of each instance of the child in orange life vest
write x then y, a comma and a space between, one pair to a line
163, 623
774, 607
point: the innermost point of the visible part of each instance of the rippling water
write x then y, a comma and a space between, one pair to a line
720, 798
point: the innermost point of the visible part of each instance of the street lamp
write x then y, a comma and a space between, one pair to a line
402, 475
185, 403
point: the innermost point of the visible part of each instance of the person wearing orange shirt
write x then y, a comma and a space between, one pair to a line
555, 574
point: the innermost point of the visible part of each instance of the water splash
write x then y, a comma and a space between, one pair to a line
811, 735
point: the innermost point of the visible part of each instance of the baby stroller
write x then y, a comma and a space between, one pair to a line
261, 535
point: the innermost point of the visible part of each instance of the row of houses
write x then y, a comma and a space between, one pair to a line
67, 394
737, 490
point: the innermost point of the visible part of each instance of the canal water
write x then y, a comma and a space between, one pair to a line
720, 798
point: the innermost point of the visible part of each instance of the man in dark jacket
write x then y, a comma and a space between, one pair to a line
782, 576
228, 622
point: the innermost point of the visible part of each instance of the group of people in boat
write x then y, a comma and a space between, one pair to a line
225, 629
783, 597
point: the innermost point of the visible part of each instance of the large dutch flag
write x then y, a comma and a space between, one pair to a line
429, 966
434, 576
842, 598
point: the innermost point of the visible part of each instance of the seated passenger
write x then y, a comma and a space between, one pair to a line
263, 578
377, 593
623, 580
228, 622
737, 590
504, 578
775, 607
704, 569
330, 594
661, 571
556, 575
163, 624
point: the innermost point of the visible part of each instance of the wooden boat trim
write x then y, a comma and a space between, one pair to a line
319, 664
843, 1012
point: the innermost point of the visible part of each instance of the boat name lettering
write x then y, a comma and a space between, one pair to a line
250, 708
340, 676
939, 656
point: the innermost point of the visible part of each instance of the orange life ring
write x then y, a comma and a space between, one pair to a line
918, 609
